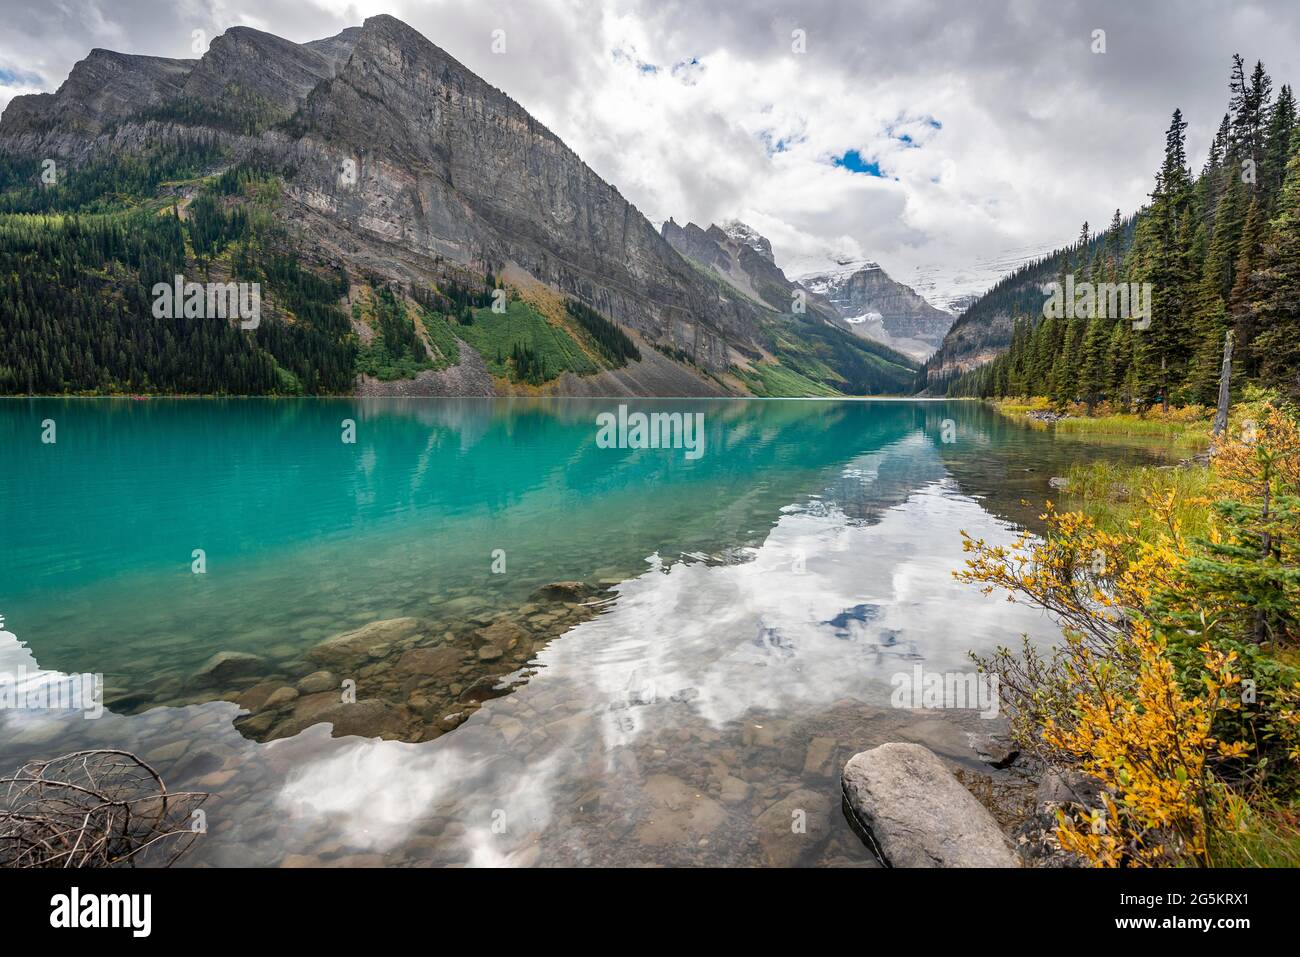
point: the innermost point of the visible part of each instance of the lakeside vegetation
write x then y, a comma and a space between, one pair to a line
1177, 687
1183, 427
772, 380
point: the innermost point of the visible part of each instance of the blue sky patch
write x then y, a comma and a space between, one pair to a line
852, 161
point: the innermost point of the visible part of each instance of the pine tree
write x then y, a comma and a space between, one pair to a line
1276, 291
1277, 147
1114, 247
1240, 309
1161, 348
1092, 380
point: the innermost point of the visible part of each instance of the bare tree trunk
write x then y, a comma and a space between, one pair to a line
1225, 378
1164, 386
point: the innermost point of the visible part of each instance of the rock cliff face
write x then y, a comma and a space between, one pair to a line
449, 165
246, 66
739, 257
862, 300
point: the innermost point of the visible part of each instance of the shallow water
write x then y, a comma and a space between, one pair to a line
733, 642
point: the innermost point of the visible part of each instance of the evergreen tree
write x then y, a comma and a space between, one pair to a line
1276, 291
1277, 147
1162, 346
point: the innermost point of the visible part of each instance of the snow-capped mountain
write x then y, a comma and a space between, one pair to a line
880, 307
954, 289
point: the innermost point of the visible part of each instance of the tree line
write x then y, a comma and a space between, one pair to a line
1221, 253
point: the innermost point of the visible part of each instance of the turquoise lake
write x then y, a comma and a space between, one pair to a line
560, 653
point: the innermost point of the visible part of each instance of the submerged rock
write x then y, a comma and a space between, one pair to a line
562, 591
915, 813
430, 662
254, 699
677, 815
228, 665
793, 828
280, 697
356, 646
503, 633
368, 718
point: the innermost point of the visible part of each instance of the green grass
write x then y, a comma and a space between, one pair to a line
442, 337
837, 359
396, 351
494, 335
770, 380
1190, 434
1187, 428
1115, 495
1256, 833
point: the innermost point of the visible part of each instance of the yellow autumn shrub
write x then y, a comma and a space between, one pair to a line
1162, 689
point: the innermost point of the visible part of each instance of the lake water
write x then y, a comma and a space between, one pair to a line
584, 655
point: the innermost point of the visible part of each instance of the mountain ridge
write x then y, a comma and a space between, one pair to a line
401, 164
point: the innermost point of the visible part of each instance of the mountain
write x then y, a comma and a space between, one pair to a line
384, 164
881, 308
102, 89
983, 330
737, 254
740, 257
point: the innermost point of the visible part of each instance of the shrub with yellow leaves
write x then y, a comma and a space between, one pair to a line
1165, 688
1152, 748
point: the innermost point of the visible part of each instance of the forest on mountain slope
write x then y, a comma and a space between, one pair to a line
79, 259
1221, 252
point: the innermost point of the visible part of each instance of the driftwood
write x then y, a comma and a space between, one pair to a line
94, 809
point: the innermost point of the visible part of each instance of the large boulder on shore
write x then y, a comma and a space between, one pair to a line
915, 813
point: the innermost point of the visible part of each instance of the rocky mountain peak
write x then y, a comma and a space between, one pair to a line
258, 67
746, 235
336, 49
891, 312
101, 89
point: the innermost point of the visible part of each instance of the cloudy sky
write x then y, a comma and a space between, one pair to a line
942, 139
